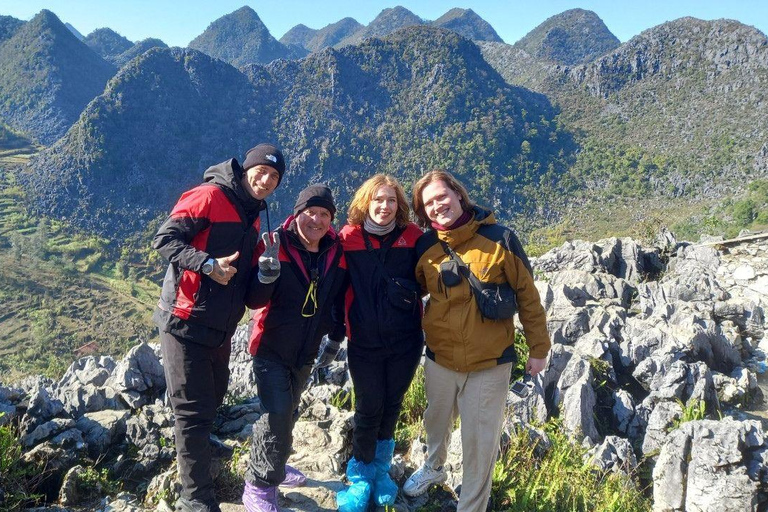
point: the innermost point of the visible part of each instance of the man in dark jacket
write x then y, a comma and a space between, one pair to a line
293, 314
209, 240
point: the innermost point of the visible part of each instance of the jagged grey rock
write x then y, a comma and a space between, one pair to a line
101, 429
670, 471
82, 388
138, 378
707, 465
577, 411
68, 494
614, 454
623, 410
661, 420
41, 408
47, 430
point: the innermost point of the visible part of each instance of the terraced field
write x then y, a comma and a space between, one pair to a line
60, 291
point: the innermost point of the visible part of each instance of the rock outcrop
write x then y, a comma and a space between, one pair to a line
645, 340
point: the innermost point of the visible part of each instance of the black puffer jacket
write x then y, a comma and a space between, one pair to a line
214, 219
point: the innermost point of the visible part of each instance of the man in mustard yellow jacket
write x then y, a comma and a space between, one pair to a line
469, 356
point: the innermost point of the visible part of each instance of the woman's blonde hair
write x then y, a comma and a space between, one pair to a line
358, 208
432, 176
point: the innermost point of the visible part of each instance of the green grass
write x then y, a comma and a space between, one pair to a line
17, 479
414, 404
560, 480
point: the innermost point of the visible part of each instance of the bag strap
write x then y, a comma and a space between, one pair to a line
474, 282
384, 249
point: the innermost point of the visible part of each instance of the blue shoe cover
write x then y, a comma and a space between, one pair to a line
384, 488
355, 498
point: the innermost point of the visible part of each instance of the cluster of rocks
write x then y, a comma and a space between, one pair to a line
642, 337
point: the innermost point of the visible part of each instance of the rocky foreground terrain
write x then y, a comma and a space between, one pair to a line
642, 335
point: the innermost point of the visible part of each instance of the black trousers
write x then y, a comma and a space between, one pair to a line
196, 377
280, 387
380, 380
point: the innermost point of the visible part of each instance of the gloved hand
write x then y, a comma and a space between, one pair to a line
327, 355
269, 264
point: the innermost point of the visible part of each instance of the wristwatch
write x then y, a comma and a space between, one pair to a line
208, 266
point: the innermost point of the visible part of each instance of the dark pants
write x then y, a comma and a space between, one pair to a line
380, 382
280, 389
196, 377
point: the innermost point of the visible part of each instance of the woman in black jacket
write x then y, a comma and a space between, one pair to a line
300, 283
384, 329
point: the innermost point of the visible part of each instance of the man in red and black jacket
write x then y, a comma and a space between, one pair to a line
209, 239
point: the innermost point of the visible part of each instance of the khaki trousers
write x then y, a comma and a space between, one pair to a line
479, 399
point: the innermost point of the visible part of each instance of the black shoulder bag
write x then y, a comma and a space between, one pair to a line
495, 301
401, 292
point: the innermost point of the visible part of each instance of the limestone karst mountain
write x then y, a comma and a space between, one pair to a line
572, 37
682, 101
467, 23
137, 49
8, 26
241, 38
107, 43
314, 40
388, 21
419, 98
47, 76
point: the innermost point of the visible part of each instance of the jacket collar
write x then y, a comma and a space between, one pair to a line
456, 237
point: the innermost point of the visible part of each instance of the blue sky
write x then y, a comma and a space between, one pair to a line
178, 22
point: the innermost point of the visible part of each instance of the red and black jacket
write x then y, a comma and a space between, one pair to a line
286, 326
372, 322
214, 219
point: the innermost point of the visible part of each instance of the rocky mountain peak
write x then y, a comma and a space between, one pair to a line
47, 76
240, 38
107, 43
388, 21
469, 24
572, 37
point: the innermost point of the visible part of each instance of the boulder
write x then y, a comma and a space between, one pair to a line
709, 465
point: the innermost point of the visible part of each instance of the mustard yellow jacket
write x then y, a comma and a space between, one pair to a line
456, 335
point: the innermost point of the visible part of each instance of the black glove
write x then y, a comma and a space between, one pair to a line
269, 264
328, 351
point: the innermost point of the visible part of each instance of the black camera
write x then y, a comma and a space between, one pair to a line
522, 387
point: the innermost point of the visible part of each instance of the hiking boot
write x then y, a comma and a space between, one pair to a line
293, 477
260, 499
418, 483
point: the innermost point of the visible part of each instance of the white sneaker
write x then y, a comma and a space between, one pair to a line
421, 479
